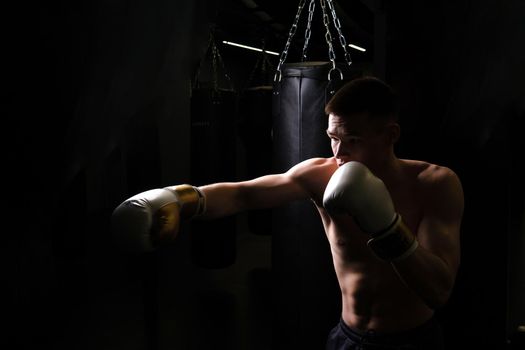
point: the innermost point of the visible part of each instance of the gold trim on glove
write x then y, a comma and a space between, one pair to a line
191, 200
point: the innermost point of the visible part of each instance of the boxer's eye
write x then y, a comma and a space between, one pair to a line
353, 140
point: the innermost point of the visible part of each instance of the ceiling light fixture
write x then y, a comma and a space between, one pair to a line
357, 47
250, 48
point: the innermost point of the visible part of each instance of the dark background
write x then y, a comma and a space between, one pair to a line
98, 109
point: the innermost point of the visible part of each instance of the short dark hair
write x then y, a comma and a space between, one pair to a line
366, 94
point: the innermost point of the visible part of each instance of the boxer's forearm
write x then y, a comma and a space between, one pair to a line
222, 199
267, 191
427, 275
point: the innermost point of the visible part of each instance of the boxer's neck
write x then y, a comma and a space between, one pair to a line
388, 169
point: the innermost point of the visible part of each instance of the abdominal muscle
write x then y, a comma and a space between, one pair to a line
373, 296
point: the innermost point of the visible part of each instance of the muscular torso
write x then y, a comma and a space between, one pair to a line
373, 295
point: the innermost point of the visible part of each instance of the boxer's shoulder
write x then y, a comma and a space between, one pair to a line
426, 171
431, 177
316, 166
313, 174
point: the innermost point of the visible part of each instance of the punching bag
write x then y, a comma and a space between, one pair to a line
213, 159
299, 121
306, 292
301, 254
255, 133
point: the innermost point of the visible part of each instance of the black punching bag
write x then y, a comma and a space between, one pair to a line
255, 131
306, 291
213, 159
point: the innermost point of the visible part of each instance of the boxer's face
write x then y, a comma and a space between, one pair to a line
356, 138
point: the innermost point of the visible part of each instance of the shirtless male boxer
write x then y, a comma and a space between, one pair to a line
393, 224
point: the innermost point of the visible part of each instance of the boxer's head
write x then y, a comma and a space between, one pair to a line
363, 121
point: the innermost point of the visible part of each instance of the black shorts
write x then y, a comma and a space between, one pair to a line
428, 336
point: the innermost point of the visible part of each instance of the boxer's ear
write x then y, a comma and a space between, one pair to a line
393, 131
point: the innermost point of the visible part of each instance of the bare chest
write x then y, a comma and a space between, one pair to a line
348, 242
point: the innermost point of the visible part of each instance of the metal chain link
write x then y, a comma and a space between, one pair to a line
263, 62
214, 67
223, 67
216, 56
308, 31
195, 82
291, 34
254, 70
337, 25
267, 66
328, 38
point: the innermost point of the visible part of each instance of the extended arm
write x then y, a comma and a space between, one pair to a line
152, 218
268, 191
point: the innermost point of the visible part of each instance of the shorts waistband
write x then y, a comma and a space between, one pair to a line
372, 336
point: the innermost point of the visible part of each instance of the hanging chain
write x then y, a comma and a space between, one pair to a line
254, 70
216, 57
266, 65
214, 67
293, 29
198, 72
328, 38
263, 62
223, 67
337, 25
308, 32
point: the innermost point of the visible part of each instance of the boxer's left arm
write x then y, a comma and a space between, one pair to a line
227, 198
431, 270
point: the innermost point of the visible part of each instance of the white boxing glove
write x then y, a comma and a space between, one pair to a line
355, 190
151, 218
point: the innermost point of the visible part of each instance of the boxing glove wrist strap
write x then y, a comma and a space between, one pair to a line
191, 200
395, 243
